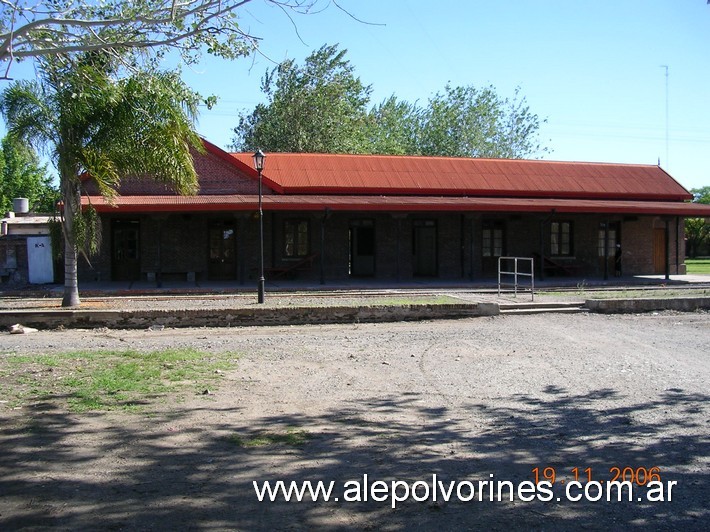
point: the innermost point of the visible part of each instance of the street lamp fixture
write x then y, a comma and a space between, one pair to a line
259, 160
259, 165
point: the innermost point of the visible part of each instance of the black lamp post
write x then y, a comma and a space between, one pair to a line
259, 165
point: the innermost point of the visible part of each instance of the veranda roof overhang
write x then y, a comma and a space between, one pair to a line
213, 203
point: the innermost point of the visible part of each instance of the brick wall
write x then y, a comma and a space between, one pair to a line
219, 177
13, 261
216, 177
185, 243
637, 246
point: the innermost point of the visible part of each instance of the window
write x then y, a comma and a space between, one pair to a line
125, 239
493, 239
561, 239
222, 241
612, 242
296, 238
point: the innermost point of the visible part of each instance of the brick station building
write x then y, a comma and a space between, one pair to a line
393, 218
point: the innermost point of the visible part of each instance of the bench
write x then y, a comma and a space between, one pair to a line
189, 277
290, 269
552, 267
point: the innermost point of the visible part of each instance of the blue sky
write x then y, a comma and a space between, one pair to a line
592, 69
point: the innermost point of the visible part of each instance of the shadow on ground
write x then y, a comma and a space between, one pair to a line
160, 473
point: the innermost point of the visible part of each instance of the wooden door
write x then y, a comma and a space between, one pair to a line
610, 239
125, 250
425, 248
222, 251
659, 250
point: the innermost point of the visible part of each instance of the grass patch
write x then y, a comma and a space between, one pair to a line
45, 360
654, 294
291, 438
363, 301
698, 265
413, 300
109, 380
657, 293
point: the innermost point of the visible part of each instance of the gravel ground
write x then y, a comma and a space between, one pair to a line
349, 297
462, 399
277, 300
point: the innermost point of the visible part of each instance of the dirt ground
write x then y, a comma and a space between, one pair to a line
462, 399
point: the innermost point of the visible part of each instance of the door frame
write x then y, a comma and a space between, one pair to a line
417, 252
613, 227
216, 270
659, 250
119, 270
489, 263
355, 226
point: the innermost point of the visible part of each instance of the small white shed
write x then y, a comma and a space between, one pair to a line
39, 260
26, 249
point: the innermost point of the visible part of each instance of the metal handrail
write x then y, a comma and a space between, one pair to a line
517, 273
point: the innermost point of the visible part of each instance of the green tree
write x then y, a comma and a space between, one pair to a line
95, 124
394, 128
697, 230
701, 195
697, 233
22, 176
471, 122
322, 107
318, 107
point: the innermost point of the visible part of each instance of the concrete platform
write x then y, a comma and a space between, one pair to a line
128, 288
142, 305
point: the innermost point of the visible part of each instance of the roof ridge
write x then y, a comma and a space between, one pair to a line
446, 158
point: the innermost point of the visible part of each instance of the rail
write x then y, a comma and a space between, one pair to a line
517, 273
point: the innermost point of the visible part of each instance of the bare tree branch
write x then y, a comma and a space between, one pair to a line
348, 13
34, 29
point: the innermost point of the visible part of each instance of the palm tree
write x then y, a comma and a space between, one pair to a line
93, 123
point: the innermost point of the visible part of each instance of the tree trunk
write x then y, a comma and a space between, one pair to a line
71, 195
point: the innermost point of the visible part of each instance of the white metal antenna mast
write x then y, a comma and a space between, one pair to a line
667, 158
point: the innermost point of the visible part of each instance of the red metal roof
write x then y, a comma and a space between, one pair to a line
312, 182
277, 202
308, 173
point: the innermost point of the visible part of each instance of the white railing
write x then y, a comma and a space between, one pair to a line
517, 273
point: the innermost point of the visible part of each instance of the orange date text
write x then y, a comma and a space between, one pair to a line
636, 475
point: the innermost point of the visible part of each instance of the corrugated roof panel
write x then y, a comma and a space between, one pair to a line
366, 174
393, 178
546, 182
